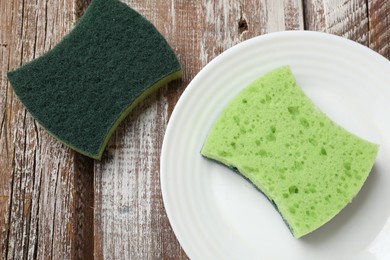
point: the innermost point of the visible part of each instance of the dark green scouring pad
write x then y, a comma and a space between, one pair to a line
84, 87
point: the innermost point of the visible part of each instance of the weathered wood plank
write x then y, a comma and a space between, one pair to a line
83, 211
379, 25
130, 220
344, 18
40, 185
281, 15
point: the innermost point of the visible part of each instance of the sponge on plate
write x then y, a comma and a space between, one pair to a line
306, 165
84, 87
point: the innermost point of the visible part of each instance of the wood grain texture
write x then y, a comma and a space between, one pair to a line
364, 21
344, 18
39, 184
379, 26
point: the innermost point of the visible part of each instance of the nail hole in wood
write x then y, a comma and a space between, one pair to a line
242, 25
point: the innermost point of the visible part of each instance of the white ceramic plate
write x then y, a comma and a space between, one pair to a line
216, 214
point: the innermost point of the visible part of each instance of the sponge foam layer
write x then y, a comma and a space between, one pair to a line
309, 167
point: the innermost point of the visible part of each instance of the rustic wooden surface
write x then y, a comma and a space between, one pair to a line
57, 204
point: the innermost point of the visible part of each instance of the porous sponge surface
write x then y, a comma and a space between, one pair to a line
308, 166
84, 87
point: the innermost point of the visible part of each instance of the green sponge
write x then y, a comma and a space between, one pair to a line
306, 165
84, 87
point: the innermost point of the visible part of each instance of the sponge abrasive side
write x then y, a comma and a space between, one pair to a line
84, 87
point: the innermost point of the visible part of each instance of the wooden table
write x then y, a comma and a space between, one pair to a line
55, 203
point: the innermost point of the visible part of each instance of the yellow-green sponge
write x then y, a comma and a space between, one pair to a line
84, 87
309, 167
